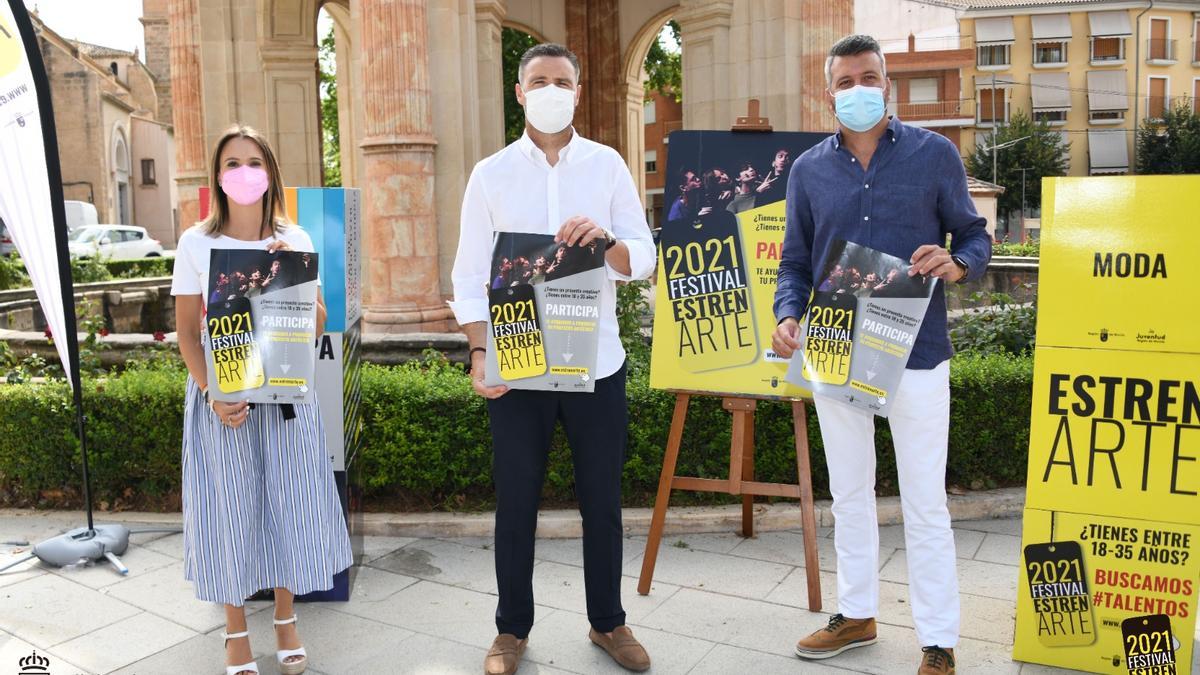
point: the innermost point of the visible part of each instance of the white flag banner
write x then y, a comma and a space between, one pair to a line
26, 203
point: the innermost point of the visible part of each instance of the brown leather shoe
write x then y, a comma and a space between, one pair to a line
937, 661
841, 634
623, 648
505, 655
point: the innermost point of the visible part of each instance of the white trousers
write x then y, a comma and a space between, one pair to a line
920, 422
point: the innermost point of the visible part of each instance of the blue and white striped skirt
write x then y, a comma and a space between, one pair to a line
260, 508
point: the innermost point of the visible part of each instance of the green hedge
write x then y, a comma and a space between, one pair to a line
426, 440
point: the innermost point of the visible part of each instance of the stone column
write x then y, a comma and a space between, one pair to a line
191, 171
704, 29
489, 15
772, 51
634, 146
401, 292
825, 23
292, 103
593, 33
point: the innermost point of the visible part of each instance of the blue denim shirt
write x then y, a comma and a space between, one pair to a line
913, 192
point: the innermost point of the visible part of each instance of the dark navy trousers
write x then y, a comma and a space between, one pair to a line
596, 424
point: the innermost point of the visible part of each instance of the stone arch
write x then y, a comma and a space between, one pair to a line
632, 62
516, 25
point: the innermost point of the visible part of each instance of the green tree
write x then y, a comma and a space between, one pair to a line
331, 142
1172, 145
513, 44
664, 64
1043, 153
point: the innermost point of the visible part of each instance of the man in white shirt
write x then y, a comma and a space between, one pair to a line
552, 181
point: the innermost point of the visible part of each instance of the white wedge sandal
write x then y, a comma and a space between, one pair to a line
251, 667
293, 667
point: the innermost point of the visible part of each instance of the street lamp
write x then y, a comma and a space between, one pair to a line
995, 150
1023, 170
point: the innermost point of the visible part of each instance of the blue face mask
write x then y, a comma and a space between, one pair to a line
859, 108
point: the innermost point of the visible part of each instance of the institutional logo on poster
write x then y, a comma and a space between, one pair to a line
33, 665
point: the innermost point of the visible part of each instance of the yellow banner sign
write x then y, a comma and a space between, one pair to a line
1112, 513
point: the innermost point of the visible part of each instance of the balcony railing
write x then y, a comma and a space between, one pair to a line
1160, 50
932, 110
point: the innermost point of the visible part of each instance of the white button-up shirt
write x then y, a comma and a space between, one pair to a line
516, 190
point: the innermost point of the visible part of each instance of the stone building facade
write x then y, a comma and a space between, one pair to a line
422, 79
115, 147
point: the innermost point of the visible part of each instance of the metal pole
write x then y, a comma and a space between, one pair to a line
1023, 203
994, 129
1137, 67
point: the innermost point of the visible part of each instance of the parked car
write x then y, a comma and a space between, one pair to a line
113, 242
79, 214
7, 247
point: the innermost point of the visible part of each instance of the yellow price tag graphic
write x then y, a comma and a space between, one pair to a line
236, 357
517, 333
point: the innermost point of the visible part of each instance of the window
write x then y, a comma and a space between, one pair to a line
112, 67
1045, 53
1196, 42
1196, 95
650, 113
989, 111
1108, 49
993, 55
1106, 116
1161, 47
651, 161
1050, 116
1158, 102
923, 90
148, 172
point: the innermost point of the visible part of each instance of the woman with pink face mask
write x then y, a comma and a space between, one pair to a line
260, 507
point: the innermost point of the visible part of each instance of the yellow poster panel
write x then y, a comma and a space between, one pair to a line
1117, 256
1082, 576
733, 355
1115, 433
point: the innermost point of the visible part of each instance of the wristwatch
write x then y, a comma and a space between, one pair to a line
963, 265
611, 240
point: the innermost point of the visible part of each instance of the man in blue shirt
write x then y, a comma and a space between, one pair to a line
901, 190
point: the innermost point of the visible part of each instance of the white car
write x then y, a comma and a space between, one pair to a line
113, 242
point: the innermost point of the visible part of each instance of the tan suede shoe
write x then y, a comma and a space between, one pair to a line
505, 655
623, 648
841, 634
937, 661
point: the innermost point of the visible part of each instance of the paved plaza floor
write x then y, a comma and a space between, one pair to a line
719, 604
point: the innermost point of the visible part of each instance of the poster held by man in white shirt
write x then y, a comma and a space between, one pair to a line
544, 313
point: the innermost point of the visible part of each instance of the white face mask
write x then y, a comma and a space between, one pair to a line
550, 109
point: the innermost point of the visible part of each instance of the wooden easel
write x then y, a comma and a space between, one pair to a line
741, 460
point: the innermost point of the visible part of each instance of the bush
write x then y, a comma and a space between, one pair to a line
87, 270
140, 268
995, 323
426, 442
1029, 249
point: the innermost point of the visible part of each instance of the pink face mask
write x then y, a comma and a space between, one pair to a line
245, 184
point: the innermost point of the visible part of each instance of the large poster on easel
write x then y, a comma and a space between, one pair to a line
1110, 574
718, 260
